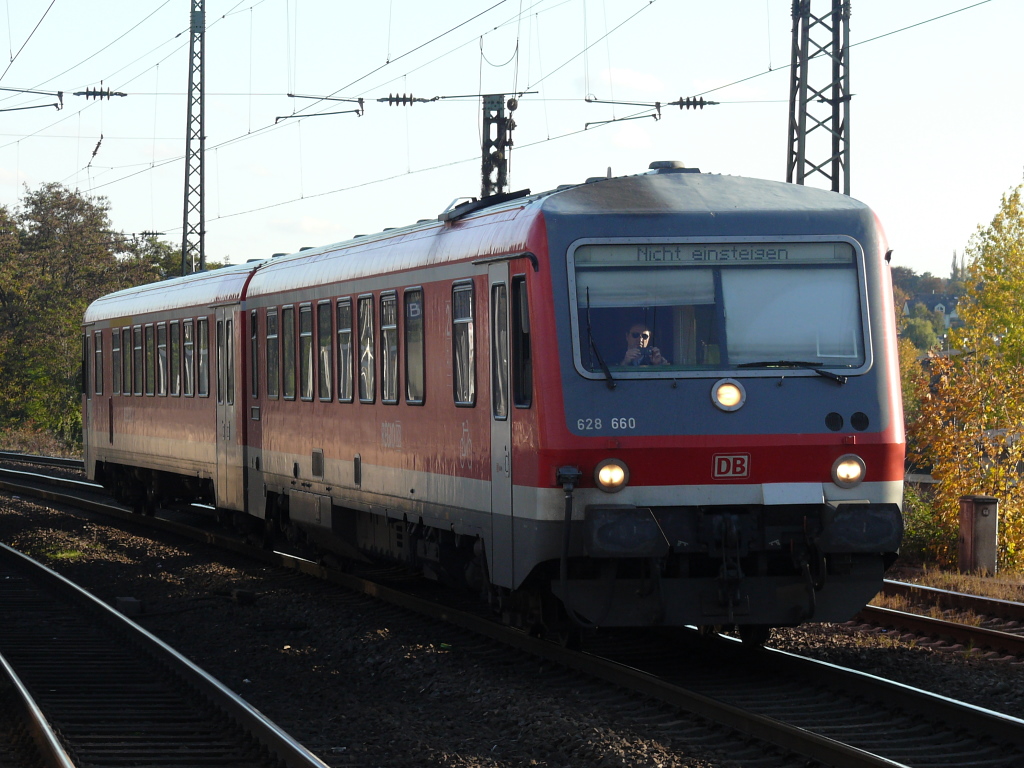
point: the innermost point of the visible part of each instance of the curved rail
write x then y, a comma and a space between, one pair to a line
769, 719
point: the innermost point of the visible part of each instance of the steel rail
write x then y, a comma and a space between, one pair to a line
51, 751
1004, 728
53, 461
974, 637
1004, 609
247, 717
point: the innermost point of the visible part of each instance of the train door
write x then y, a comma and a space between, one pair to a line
500, 558
229, 441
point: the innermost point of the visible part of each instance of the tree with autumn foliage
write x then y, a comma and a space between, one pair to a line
57, 253
970, 429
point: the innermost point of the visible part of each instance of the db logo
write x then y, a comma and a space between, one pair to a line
731, 464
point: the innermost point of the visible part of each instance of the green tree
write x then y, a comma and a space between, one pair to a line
57, 253
920, 332
971, 428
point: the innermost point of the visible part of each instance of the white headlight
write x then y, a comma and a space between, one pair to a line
848, 471
728, 394
611, 475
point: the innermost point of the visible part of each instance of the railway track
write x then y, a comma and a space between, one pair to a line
116, 695
831, 715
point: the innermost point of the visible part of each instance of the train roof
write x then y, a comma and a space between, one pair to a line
218, 286
490, 230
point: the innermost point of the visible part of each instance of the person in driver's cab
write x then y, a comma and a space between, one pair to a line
639, 350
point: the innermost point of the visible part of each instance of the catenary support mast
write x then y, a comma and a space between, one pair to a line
194, 221
819, 95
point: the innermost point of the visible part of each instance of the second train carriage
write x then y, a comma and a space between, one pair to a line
449, 393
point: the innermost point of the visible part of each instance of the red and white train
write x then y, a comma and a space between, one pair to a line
669, 398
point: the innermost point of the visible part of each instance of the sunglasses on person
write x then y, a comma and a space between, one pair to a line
644, 335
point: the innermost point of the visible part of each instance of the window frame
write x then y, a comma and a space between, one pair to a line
161, 360
188, 358
389, 386
287, 335
138, 361
464, 286
345, 362
115, 361
325, 351
305, 357
174, 358
97, 357
367, 367
410, 348
273, 353
202, 357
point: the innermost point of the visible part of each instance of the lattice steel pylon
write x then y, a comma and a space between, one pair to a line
193, 219
819, 117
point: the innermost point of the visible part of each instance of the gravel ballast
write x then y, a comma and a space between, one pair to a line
358, 684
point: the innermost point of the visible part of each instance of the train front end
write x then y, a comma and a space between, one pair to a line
733, 445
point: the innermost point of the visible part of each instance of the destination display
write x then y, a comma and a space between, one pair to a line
704, 254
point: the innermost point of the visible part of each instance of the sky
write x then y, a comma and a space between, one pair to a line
935, 123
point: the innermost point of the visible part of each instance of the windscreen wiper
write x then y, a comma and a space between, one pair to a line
609, 381
836, 377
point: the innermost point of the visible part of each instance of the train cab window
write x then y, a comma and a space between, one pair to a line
254, 353
414, 364
499, 351
97, 353
288, 352
367, 382
115, 359
174, 367
306, 352
344, 315
273, 356
522, 361
660, 309
126, 360
325, 351
463, 345
203, 357
389, 348
188, 359
161, 359
151, 359
138, 366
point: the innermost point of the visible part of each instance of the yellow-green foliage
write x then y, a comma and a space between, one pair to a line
970, 430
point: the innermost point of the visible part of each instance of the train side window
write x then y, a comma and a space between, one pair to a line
367, 382
174, 368
161, 359
306, 352
85, 365
344, 314
389, 348
203, 357
414, 363
230, 373
221, 368
499, 351
137, 359
188, 359
97, 352
273, 356
325, 347
151, 359
126, 360
522, 361
254, 353
463, 347
115, 360
288, 352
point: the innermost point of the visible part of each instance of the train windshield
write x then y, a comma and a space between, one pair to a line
658, 308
